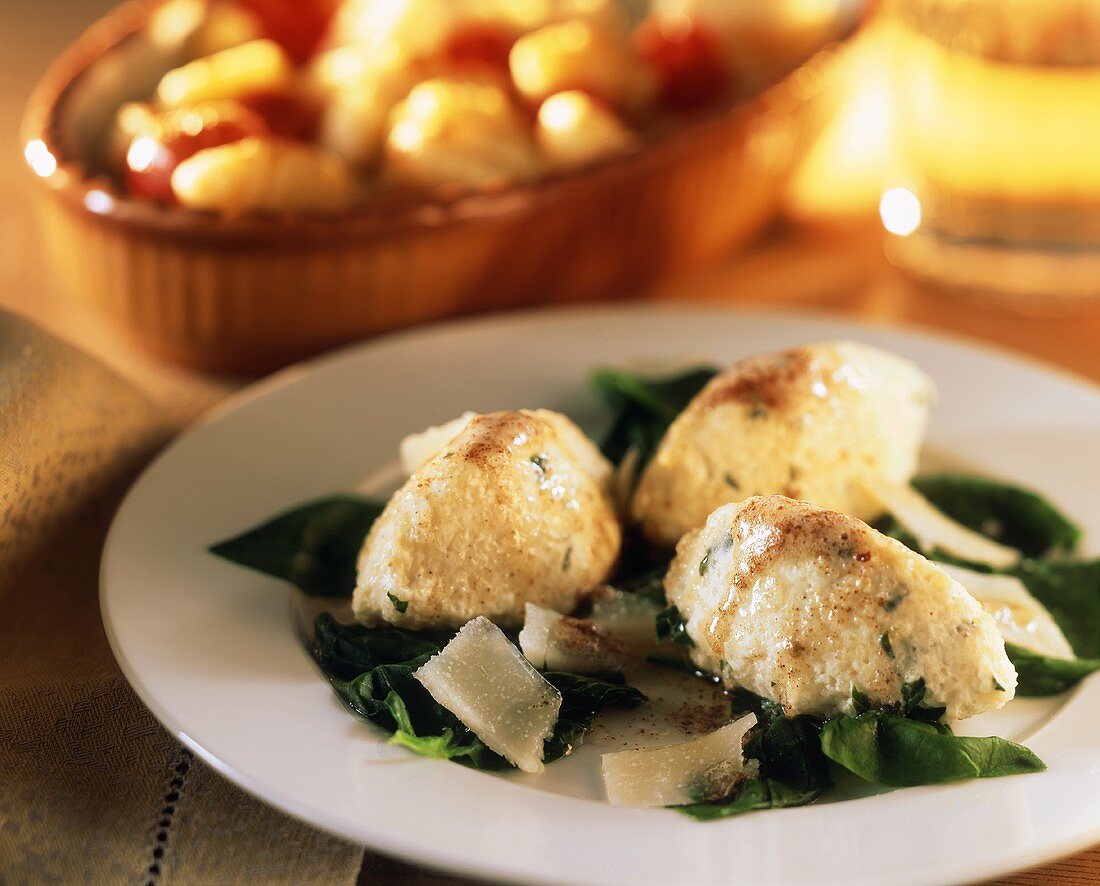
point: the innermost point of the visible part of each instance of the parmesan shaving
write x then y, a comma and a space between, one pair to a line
419, 449
706, 768
631, 619
482, 679
936, 531
557, 642
1021, 619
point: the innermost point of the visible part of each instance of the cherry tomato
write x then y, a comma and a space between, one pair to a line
153, 157
687, 60
285, 114
296, 25
479, 46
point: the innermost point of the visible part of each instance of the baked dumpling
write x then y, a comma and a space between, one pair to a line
802, 606
514, 509
814, 423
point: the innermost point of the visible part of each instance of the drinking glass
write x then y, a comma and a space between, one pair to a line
998, 189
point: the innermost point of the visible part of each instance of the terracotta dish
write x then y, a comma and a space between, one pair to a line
253, 292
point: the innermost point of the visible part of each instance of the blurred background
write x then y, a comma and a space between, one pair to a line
33, 34
950, 181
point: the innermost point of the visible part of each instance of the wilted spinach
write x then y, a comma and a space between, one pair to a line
671, 627
1004, 512
793, 771
313, 546
371, 669
649, 583
348, 650
896, 751
1041, 675
582, 699
1071, 591
643, 407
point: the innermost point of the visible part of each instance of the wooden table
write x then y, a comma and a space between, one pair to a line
838, 269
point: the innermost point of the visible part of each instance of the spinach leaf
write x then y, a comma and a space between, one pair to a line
742, 701
675, 660
650, 584
642, 570
443, 746
1071, 592
911, 704
643, 407
1042, 675
348, 650
370, 670
793, 771
389, 696
314, 546
791, 755
1009, 514
672, 628
861, 701
750, 795
582, 699
886, 749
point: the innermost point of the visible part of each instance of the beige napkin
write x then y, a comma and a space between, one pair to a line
92, 789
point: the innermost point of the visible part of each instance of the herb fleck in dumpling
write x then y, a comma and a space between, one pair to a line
515, 509
802, 606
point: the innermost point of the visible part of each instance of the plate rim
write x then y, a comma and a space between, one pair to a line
413, 850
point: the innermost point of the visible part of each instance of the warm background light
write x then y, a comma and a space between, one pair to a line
899, 210
847, 170
1023, 128
40, 159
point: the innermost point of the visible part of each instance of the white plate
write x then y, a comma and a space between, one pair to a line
211, 649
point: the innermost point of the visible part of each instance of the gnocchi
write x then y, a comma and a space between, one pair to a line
257, 174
